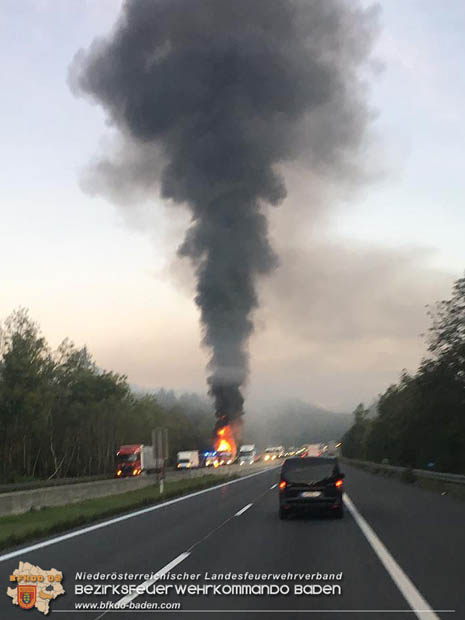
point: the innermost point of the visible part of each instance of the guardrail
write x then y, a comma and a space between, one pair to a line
23, 501
453, 484
437, 475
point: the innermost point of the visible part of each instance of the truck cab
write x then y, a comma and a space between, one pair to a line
129, 460
247, 454
136, 460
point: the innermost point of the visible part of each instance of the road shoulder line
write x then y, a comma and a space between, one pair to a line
419, 606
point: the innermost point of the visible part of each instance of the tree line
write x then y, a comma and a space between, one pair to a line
420, 421
62, 416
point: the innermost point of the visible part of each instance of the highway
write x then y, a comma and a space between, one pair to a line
400, 549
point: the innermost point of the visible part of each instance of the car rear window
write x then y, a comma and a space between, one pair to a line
308, 470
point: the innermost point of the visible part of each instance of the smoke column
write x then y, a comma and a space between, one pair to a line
226, 91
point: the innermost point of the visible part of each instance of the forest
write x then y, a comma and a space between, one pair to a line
420, 421
62, 416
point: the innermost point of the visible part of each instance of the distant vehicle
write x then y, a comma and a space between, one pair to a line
135, 460
247, 454
311, 484
313, 449
225, 458
210, 459
332, 448
188, 459
269, 454
273, 452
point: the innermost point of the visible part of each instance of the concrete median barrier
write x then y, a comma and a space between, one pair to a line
19, 502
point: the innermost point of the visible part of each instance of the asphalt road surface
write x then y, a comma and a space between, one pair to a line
400, 550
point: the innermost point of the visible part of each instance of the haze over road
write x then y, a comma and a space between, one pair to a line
235, 528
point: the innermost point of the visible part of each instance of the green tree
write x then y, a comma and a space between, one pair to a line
26, 370
421, 419
354, 440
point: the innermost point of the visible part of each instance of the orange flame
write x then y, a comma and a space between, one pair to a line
224, 441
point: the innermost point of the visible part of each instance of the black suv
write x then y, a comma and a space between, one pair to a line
311, 484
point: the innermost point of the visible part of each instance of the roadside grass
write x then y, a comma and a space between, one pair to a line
17, 529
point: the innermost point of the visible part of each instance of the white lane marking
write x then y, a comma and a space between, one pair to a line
137, 513
419, 606
242, 510
225, 522
129, 597
274, 486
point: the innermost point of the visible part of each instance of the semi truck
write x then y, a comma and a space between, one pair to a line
247, 454
188, 459
136, 460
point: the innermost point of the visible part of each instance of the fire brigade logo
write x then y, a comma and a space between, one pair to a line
26, 596
33, 587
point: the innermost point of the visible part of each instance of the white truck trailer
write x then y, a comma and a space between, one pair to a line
188, 459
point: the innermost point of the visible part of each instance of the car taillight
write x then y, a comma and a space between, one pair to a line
282, 484
339, 483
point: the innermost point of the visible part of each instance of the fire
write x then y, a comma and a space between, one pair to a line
224, 441
224, 446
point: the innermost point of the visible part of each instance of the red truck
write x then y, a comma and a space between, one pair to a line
134, 460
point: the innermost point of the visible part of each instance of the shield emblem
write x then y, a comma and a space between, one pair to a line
26, 596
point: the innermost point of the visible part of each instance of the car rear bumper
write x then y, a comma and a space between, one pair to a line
325, 504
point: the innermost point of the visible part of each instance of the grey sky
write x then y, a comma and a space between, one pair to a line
343, 314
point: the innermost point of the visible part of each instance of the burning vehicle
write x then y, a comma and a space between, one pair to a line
225, 445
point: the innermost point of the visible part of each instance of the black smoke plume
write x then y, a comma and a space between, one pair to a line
224, 91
